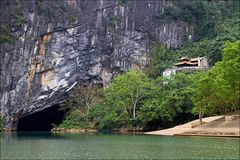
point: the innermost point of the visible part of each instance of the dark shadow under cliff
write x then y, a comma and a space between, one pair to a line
41, 121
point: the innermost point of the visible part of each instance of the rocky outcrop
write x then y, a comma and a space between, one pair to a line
48, 47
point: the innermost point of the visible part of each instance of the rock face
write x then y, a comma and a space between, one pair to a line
51, 46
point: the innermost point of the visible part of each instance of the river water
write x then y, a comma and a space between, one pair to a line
112, 146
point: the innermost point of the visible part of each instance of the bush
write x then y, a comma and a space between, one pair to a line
109, 122
6, 38
75, 120
42, 7
19, 20
5, 34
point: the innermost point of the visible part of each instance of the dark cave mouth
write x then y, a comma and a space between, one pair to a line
42, 121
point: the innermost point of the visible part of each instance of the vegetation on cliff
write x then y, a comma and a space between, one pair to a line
1, 124
207, 15
134, 101
146, 100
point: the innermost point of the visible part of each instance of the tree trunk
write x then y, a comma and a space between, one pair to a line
200, 118
87, 110
134, 111
201, 113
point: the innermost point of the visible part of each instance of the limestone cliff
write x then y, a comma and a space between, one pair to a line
47, 47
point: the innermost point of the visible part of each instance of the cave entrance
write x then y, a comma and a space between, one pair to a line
41, 121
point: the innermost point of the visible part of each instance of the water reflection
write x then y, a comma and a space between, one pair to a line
46, 145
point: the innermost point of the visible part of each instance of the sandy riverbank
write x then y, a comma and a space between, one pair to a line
214, 126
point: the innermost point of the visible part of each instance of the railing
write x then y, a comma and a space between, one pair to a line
191, 68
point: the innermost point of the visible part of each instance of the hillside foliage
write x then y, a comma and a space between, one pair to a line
143, 99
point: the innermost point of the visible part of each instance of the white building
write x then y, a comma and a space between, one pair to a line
186, 64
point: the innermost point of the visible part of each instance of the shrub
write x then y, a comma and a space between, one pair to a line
6, 38
75, 120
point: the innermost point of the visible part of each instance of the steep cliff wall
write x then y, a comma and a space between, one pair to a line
47, 47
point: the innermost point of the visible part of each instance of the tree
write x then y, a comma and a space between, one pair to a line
229, 71
202, 93
217, 90
161, 58
128, 90
81, 101
169, 98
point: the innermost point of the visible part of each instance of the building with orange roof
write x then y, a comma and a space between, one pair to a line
187, 64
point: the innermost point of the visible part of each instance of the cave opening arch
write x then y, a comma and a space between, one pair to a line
42, 120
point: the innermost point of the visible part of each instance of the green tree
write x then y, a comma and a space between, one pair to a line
161, 58
229, 72
169, 98
122, 100
128, 91
217, 91
81, 101
202, 94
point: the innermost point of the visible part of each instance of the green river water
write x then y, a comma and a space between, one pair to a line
112, 146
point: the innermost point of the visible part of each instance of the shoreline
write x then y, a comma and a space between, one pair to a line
80, 130
216, 126
121, 131
140, 133
208, 135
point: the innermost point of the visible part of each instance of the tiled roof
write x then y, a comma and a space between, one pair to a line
186, 62
184, 58
196, 59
